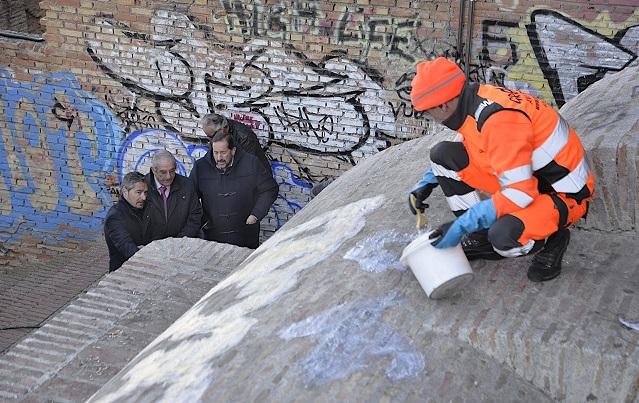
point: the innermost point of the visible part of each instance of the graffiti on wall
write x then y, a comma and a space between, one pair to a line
57, 148
572, 56
264, 106
133, 115
357, 26
614, 10
332, 107
317, 113
293, 195
64, 155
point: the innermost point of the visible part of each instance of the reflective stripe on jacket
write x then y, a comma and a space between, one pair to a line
524, 143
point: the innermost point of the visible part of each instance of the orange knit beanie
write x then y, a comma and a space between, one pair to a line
436, 82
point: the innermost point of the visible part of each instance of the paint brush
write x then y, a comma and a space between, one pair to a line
421, 220
420, 216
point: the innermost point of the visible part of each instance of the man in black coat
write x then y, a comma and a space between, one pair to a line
173, 205
236, 192
243, 136
127, 221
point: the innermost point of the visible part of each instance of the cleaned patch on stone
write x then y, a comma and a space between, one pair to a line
373, 255
349, 337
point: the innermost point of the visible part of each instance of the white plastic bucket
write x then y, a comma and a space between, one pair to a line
440, 272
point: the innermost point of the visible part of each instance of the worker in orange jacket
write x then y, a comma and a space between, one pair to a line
516, 148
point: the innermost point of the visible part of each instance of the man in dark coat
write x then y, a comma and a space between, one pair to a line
127, 222
243, 136
173, 205
236, 192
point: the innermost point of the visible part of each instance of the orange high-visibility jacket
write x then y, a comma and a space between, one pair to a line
522, 142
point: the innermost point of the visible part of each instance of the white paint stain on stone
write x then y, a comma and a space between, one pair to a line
350, 337
178, 365
629, 324
373, 255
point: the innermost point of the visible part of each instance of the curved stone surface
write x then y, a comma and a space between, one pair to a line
323, 311
86, 342
606, 115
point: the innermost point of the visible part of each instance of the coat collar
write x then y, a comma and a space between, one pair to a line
128, 207
208, 157
464, 107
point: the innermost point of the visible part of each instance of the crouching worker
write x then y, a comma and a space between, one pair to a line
514, 147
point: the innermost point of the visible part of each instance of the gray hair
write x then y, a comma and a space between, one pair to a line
214, 121
161, 156
130, 179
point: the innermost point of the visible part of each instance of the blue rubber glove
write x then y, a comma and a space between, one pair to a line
481, 216
421, 191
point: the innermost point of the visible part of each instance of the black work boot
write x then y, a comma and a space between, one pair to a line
546, 264
477, 246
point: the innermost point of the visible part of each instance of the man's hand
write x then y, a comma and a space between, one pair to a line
480, 216
446, 235
421, 192
416, 198
251, 220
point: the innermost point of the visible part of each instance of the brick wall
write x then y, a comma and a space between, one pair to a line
21, 16
323, 84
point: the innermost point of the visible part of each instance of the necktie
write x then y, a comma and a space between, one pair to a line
164, 197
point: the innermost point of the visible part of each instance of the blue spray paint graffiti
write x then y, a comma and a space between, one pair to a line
349, 336
58, 146
287, 205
